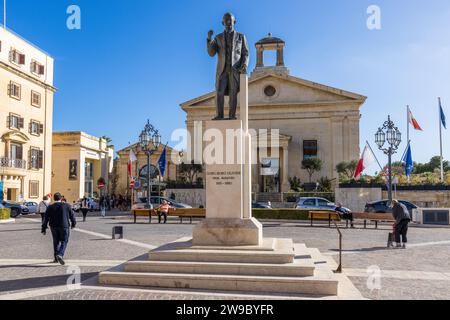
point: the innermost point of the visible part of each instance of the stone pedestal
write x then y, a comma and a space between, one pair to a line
228, 232
228, 204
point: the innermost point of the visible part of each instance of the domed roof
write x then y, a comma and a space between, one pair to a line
270, 40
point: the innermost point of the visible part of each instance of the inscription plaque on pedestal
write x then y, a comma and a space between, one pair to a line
224, 179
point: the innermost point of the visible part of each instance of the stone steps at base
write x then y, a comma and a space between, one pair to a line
187, 255
302, 268
319, 285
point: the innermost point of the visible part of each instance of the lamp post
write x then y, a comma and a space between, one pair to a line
390, 133
149, 140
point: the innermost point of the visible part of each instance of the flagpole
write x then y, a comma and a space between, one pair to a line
407, 134
4, 14
407, 123
374, 155
440, 138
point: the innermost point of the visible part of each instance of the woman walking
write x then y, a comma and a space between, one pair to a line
84, 208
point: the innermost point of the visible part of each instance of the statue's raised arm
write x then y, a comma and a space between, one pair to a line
211, 44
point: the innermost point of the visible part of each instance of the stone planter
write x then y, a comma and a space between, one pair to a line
308, 187
5, 214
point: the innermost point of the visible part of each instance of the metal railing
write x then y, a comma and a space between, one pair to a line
13, 163
339, 269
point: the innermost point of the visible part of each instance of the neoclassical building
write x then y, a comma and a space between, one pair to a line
314, 120
121, 183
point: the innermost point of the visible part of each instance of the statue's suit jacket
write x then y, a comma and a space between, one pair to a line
240, 53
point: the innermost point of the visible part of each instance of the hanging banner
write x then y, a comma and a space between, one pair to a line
1, 191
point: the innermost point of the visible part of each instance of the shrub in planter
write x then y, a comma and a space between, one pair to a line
5, 214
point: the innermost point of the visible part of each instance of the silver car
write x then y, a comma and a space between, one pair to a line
32, 207
314, 203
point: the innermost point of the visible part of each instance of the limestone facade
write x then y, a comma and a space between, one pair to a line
305, 113
26, 118
79, 161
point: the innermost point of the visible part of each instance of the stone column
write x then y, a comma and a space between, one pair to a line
259, 57
280, 57
337, 133
285, 186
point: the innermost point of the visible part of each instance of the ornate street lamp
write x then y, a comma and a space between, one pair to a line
390, 133
150, 141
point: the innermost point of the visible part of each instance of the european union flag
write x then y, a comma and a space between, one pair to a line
163, 162
409, 161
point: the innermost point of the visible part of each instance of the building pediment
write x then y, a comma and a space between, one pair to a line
280, 89
15, 136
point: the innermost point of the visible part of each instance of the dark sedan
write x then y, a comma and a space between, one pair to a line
383, 206
257, 205
16, 208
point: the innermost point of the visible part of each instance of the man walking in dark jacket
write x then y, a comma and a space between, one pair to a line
402, 220
61, 218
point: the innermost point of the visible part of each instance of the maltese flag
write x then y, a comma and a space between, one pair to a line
367, 159
132, 159
413, 121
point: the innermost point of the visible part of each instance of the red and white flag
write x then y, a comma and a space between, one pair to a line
413, 121
131, 159
367, 159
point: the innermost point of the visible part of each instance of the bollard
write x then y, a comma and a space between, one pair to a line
117, 231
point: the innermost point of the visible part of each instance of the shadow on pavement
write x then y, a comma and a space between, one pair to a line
20, 230
362, 249
42, 282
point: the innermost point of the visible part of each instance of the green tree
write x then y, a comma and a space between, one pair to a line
430, 167
312, 165
346, 170
325, 184
190, 171
296, 184
107, 139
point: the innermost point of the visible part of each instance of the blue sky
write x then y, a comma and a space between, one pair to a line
140, 59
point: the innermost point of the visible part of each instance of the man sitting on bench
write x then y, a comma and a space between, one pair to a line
163, 210
345, 213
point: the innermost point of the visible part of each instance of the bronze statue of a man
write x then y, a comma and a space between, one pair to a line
232, 50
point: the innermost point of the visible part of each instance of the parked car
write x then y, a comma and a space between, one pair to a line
32, 207
94, 204
257, 205
16, 208
314, 203
156, 201
383, 206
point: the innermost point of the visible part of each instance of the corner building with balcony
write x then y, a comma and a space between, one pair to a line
26, 118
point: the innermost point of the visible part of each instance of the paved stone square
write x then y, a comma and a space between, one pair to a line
420, 272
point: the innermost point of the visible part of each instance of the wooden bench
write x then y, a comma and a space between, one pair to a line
324, 215
143, 213
181, 213
188, 213
373, 217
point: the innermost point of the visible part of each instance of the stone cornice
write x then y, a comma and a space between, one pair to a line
354, 97
27, 77
315, 104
